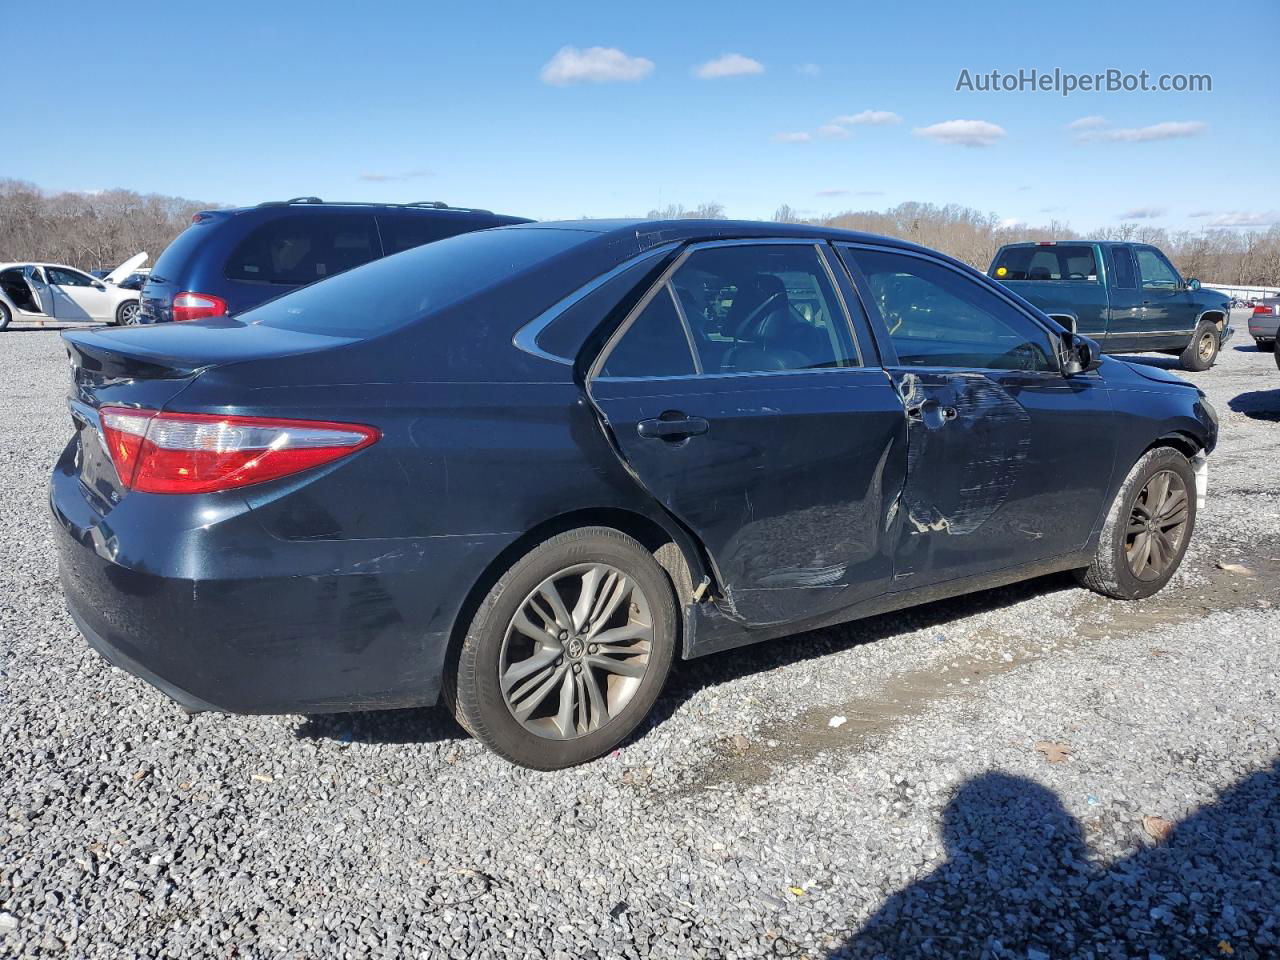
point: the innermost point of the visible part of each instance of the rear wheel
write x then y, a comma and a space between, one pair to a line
1147, 528
127, 314
5, 316
568, 652
1202, 351
1266, 346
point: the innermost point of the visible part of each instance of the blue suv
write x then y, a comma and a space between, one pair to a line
228, 261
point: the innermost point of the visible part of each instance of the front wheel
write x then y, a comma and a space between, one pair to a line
568, 651
1202, 351
1147, 528
127, 314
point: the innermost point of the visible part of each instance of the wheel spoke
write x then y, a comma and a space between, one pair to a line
596, 698
542, 658
1136, 526
568, 700
632, 631
1155, 553
623, 668
549, 593
523, 706
621, 588
1157, 491
528, 628
1172, 521
1176, 501
588, 596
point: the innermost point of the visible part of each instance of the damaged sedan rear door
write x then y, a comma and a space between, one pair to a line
738, 396
1009, 459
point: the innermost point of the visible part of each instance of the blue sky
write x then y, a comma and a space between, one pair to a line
475, 104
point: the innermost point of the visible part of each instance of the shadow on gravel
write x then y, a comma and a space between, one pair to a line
420, 725
1258, 404
1017, 882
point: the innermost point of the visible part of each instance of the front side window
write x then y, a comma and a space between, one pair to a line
937, 317
1155, 270
302, 249
69, 278
762, 308
1048, 262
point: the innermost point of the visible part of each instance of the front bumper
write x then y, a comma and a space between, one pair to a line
222, 616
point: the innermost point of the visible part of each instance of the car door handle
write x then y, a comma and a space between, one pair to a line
672, 427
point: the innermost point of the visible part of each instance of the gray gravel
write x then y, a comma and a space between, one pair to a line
985, 794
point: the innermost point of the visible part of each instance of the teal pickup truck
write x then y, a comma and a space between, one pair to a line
1127, 296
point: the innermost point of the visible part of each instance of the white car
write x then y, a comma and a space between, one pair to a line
52, 291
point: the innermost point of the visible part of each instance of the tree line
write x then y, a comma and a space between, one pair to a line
101, 230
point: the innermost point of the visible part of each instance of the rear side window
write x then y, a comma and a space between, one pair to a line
406, 231
173, 262
655, 345
1126, 279
302, 249
400, 289
1057, 262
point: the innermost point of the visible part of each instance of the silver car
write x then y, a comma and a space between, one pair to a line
1263, 322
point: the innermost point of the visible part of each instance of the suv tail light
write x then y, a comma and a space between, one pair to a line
1263, 311
157, 452
192, 306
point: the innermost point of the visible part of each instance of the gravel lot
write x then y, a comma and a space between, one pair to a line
1032, 772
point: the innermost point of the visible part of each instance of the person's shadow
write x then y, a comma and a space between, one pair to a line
1017, 882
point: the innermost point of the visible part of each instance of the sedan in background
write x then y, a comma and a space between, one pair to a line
1264, 321
52, 291
524, 469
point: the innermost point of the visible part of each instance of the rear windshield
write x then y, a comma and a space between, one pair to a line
407, 286
1058, 262
173, 262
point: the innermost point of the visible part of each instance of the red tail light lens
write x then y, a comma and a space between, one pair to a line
202, 453
1263, 311
192, 306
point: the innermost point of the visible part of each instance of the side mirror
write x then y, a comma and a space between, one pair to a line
1193, 284
1079, 355
99, 285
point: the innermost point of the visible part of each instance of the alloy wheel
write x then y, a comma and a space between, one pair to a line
129, 314
1157, 526
576, 651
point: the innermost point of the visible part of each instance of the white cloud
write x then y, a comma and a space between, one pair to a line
833, 131
1009, 222
874, 118
832, 192
594, 65
962, 133
808, 69
795, 137
729, 65
1169, 130
1143, 213
1241, 218
394, 177
1087, 123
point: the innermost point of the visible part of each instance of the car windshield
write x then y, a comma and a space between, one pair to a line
1047, 262
407, 286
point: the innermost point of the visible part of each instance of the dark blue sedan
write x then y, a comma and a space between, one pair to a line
525, 468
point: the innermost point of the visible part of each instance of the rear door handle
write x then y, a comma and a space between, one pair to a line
672, 427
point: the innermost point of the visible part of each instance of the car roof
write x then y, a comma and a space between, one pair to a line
650, 233
316, 205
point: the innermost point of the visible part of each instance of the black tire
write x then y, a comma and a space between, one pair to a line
1202, 351
5, 316
1264, 346
1111, 573
473, 687
127, 313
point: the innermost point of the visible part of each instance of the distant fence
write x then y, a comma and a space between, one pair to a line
1238, 292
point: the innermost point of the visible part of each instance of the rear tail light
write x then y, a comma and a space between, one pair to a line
201, 453
1264, 311
192, 306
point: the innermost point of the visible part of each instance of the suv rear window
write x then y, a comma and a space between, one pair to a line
1058, 262
172, 263
303, 249
399, 289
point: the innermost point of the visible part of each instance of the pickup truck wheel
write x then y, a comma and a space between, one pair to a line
568, 652
1147, 528
1202, 351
